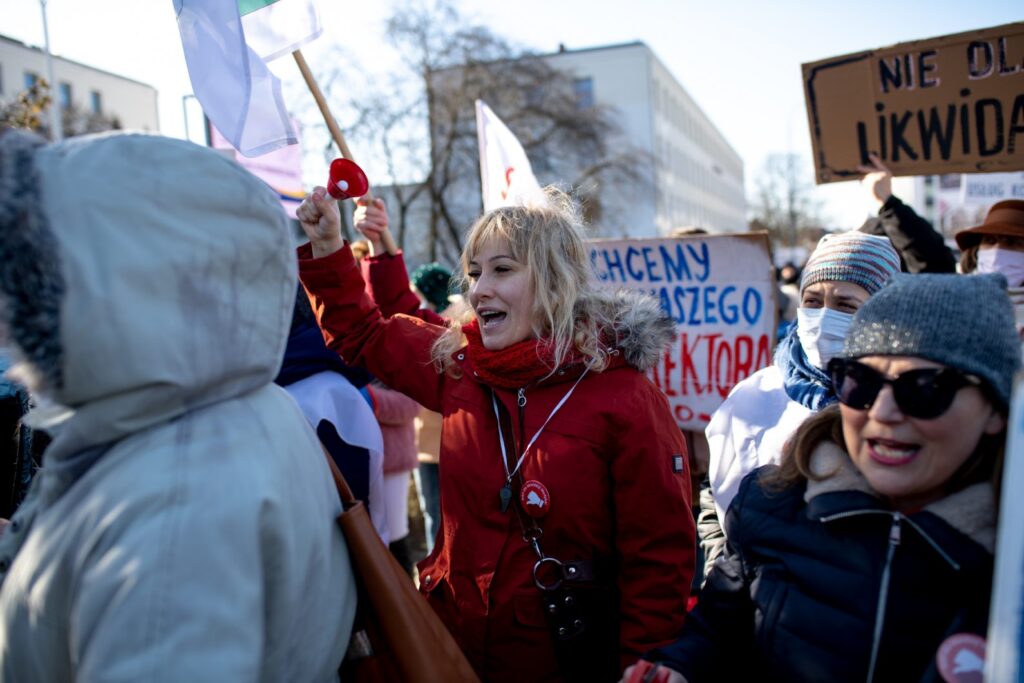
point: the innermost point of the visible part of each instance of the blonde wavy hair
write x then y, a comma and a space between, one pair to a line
548, 240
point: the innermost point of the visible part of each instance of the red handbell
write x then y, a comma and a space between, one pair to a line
347, 180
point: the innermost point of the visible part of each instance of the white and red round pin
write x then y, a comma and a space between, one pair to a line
534, 498
961, 658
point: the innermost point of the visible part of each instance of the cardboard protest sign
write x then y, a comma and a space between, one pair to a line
943, 105
989, 188
1006, 618
720, 291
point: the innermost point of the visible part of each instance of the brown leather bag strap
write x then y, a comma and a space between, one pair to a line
344, 492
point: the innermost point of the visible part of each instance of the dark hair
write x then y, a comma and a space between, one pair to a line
793, 277
969, 259
794, 468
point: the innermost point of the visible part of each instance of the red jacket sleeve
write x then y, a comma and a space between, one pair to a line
389, 287
655, 530
396, 350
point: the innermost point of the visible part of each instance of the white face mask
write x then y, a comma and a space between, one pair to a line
821, 332
1009, 262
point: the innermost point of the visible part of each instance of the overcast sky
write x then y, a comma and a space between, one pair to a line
740, 60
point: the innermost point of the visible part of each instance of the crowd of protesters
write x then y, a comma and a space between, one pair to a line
172, 511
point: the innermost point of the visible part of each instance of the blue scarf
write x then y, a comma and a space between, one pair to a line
804, 383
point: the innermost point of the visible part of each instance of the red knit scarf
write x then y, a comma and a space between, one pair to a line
514, 366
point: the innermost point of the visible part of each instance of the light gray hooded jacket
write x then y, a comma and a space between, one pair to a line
183, 525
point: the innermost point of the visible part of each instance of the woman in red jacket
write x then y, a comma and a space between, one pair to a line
567, 544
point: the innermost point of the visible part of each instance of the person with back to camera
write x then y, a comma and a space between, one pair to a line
562, 462
182, 527
867, 555
760, 414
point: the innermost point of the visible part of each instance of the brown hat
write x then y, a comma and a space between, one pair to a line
1004, 218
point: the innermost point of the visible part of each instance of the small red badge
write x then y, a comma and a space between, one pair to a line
961, 658
535, 498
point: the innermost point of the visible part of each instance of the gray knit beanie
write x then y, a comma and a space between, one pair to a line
965, 322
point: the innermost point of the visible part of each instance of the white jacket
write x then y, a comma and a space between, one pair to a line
183, 525
749, 430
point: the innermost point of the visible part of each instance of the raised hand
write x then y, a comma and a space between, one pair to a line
371, 219
319, 218
876, 178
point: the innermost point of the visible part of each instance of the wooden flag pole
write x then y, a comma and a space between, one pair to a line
336, 134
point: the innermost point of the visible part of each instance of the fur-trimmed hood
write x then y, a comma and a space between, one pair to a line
971, 510
142, 277
642, 330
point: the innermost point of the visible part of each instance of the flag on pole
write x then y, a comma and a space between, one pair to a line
506, 177
229, 78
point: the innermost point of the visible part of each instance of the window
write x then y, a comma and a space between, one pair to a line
96, 101
584, 89
65, 96
1, 80
30, 79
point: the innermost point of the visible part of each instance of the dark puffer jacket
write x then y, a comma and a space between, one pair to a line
921, 248
820, 580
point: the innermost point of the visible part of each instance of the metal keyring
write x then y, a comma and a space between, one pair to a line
540, 584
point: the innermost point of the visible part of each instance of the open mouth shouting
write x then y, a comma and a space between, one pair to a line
490, 318
892, 453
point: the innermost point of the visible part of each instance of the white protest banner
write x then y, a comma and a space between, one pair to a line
506, 177
1006, 616
720, 290
989, 188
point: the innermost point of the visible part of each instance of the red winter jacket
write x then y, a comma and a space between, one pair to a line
610, 459
389, 288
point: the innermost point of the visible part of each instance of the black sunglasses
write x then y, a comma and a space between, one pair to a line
925, 394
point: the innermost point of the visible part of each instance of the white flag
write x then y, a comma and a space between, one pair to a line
505, 174
274, 28
237, 91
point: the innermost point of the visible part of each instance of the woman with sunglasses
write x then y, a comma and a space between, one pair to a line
867, 555
760, 414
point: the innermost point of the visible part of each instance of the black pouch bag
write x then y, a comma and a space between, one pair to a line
582, 614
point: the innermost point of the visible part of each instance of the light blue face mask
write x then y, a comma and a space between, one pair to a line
1009, 262
821, 332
